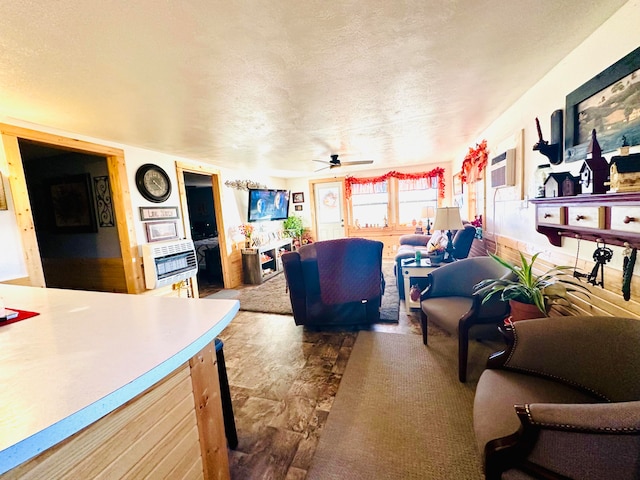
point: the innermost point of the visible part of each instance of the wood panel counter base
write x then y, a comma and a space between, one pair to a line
172, 430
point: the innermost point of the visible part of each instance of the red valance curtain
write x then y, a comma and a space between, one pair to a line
474, 163
436, 173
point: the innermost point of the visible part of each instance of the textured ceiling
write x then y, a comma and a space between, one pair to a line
273, 84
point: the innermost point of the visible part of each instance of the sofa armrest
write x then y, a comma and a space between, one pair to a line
618, 418
580, 441
416, 240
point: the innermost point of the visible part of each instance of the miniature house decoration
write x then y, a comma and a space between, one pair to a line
624, 173
561, 184
594, 172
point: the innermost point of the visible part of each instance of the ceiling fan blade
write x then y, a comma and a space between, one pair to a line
358, 162
320, 161
323, 168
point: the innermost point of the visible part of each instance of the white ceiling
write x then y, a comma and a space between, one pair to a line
273, 84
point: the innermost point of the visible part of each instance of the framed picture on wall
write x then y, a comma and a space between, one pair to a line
457, 184
298, 197
158, 231
607, 104
72, 204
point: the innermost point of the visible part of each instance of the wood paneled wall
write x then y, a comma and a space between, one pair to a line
603, 301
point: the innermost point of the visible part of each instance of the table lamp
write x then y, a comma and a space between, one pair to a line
428, 213
448, 218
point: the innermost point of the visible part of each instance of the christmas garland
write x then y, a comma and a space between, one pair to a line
474, 162
436, 172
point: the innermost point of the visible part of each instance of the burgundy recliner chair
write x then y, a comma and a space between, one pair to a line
335, 282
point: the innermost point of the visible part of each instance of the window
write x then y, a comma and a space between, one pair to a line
413, 196
370, 204
393, 199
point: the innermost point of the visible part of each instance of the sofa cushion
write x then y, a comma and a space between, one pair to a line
498, 391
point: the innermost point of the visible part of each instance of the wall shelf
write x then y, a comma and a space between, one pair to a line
613, 218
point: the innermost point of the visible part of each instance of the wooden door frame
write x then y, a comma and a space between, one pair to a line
121, 198
216, 185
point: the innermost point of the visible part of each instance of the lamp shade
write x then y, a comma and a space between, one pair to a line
428, 212
447, 218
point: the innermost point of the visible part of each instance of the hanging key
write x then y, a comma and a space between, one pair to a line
601, 256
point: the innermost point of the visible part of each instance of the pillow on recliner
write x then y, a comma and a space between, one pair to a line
437, 240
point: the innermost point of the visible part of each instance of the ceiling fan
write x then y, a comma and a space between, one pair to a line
335, 162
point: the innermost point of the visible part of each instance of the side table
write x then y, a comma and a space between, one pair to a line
412, 272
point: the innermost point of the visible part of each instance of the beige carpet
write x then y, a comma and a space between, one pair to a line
401, 413
273, 297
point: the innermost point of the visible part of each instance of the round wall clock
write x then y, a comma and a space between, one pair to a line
153, 183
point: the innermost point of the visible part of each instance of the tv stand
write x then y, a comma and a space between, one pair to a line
263, 262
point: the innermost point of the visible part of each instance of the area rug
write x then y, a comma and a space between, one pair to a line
401, 413
272, 296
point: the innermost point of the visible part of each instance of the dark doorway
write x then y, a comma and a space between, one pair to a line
74, 219
204, 232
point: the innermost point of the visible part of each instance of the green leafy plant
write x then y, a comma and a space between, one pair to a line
550, 287
293, 225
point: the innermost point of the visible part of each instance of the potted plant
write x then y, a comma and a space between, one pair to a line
530, 295
292, 225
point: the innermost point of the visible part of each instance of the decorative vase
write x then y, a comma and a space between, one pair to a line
414, 293
247, 243
524, 311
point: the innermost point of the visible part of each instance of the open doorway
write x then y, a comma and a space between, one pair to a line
204, 232
73, 217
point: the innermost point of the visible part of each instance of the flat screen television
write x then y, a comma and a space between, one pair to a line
266, 204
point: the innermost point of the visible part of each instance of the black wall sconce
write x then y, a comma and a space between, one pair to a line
552, 150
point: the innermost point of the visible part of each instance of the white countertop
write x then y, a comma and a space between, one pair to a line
86, 354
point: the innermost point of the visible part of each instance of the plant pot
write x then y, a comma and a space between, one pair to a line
524, 311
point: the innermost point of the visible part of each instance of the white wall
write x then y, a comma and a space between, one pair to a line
515, 218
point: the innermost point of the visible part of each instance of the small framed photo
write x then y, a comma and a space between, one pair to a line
158, 231
298, 197
298, 208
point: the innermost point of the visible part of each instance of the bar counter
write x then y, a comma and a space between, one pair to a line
89, 355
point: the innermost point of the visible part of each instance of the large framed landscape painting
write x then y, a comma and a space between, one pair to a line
609, 103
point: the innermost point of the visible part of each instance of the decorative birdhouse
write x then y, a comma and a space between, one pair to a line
624, 173
561, 184
594, 173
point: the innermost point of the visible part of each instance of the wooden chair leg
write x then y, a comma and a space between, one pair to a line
423, 325
463, 353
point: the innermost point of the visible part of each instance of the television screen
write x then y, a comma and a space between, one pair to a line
267, 205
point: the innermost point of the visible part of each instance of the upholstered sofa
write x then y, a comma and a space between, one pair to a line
335, 282
462, 240
562, 401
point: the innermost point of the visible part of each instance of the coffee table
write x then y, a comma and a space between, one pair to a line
413, 273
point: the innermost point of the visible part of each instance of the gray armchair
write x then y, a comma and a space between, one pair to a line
449, 301
563, 401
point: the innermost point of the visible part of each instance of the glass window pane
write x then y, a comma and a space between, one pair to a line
370, 209
411, 202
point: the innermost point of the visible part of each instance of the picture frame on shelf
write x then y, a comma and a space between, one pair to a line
159, 231
610, 94
72, 204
